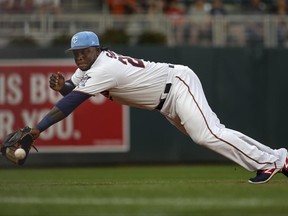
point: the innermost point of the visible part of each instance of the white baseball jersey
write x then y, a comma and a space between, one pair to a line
141, 83
130, 81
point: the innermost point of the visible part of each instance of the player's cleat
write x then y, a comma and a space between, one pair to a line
263, 176
285, 168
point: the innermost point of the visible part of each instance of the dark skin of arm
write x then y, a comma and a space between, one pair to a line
84, 58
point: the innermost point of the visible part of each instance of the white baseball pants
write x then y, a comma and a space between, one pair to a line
186, 107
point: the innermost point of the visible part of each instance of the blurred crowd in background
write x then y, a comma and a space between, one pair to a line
190, 22
175, 7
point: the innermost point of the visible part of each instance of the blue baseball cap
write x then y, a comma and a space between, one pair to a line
84, 39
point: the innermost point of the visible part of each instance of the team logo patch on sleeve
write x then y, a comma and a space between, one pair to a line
84, 80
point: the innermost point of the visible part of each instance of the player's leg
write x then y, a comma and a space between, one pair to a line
205, 129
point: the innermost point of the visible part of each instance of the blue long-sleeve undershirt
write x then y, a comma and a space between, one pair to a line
62, 109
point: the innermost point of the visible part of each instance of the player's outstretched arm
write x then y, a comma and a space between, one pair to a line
61, 110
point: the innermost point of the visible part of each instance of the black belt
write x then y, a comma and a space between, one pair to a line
162, 100
166, 91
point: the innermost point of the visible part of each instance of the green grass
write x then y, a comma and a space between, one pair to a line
144, 190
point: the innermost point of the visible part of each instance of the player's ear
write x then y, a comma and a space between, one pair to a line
98, 50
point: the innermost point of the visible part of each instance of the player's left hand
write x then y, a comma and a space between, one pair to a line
21, 138
35, 133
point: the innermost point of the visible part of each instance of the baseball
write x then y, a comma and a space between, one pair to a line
20, 153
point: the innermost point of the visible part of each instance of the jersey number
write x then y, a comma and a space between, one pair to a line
126, 59
132, 61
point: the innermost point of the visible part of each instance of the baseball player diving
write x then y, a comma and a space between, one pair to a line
174, 90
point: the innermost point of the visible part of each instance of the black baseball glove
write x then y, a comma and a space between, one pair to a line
20, 138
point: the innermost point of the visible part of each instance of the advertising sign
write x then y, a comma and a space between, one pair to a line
25, 98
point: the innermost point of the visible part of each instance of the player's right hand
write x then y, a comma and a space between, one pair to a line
57, 81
